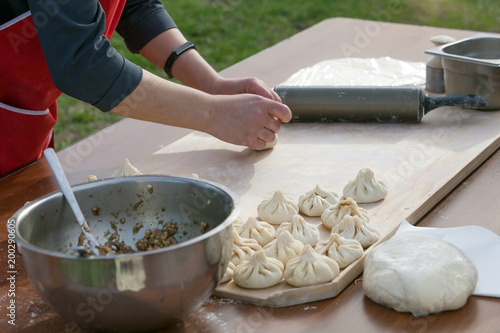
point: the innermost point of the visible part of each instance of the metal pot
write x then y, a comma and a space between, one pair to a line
129, 292
472, 66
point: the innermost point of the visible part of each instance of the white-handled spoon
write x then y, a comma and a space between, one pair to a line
57, 170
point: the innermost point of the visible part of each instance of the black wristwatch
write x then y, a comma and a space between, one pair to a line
175, 54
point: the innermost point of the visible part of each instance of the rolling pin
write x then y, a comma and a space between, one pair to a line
366, 104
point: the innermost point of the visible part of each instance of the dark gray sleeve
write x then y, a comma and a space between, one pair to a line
81, 61
141, 21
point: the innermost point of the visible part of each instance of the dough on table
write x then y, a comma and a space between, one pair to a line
228, 274
284, 247
127, 169
300, 229
343, 250
273, 143
310, 268
353, 227
314, 202
92, 178
420, 274
261, 231
259, 271
365, 188
243, 248
335, 213
278, 209
270, 145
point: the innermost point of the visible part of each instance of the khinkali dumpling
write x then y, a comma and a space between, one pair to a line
301, 230
127, 169
243, 248
260, 271
284, 247
261, 231
335, 213
353, 227
365, 188
228, 274
277, 209
314, 202
344, 251
310, 268
238, 222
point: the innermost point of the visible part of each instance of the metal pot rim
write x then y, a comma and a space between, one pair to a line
23, 243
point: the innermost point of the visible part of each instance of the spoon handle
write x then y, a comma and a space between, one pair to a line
58, 171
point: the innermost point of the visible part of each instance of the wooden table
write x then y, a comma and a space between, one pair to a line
474, 201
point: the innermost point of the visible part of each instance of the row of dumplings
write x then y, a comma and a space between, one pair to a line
264, 255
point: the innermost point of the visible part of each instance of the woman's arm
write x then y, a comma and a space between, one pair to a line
243, 119
192, 70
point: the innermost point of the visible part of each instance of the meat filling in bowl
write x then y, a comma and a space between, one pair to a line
153, 239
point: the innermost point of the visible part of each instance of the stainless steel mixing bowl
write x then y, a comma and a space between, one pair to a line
129, 292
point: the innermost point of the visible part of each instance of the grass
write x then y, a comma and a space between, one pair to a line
228, 31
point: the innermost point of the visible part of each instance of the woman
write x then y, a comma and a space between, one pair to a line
53, 46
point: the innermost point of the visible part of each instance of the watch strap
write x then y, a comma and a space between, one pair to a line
175, 54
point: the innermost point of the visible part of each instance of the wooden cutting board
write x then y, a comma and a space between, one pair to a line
420, 163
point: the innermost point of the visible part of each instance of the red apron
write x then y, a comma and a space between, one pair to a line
28, 109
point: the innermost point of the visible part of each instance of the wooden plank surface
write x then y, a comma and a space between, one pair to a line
473, 202
420, 163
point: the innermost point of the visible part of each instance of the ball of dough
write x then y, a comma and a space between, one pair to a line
314, 202
420, 274
238, 222
310, 268
258, 272
365, 188
278, 209
343, 250
270, 145
127, 169
243, 248
353, 227
261, 231
92, 178
334, 214
301, 230
284, 247
228, 274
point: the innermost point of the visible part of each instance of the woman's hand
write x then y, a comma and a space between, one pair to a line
251, 85
246, 119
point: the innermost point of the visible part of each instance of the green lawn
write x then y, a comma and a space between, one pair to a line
228, 31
